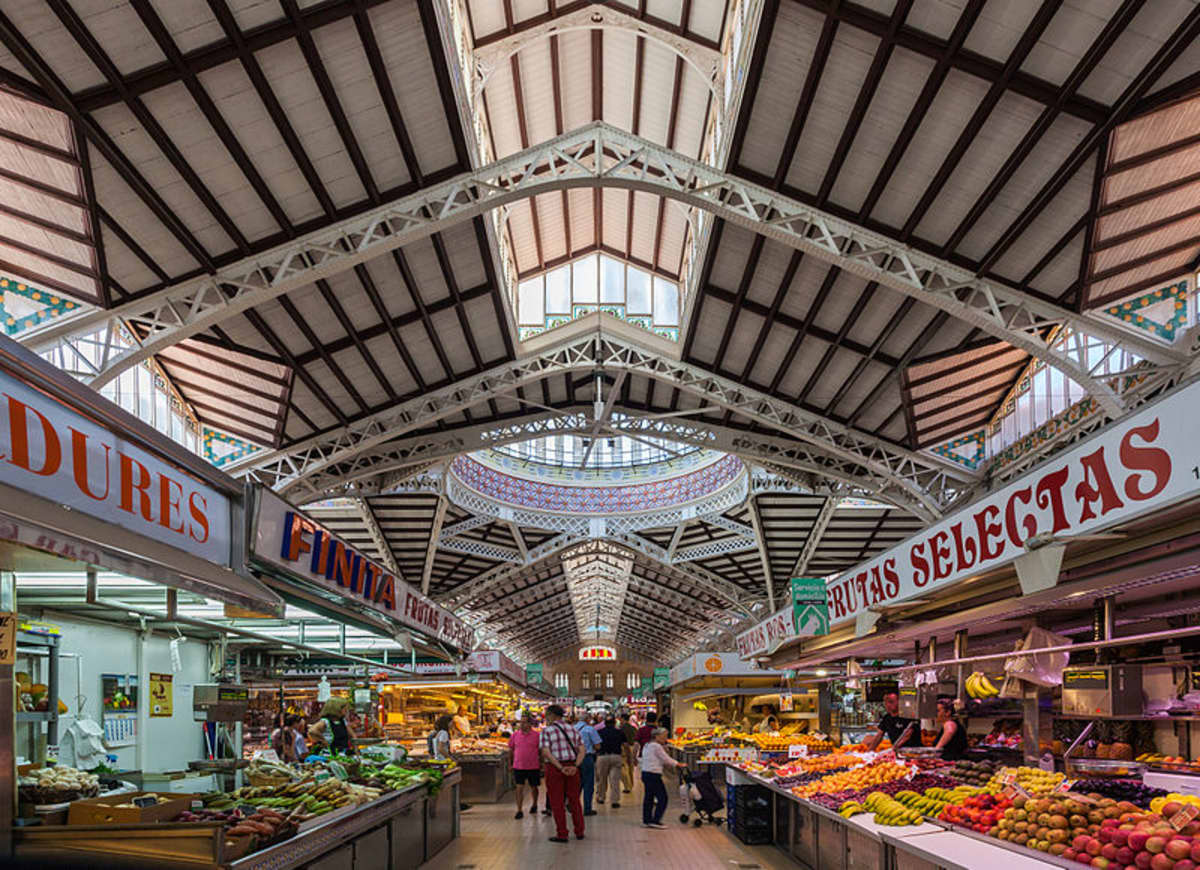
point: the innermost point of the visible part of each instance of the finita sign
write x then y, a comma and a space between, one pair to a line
1143, 463
286, 538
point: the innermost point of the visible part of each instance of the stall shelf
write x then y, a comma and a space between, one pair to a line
954, 850
389, 832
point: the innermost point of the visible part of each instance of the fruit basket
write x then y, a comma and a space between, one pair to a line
1104, 768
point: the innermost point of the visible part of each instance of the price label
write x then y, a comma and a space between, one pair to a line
1185, 815
1009, 792
1008, 777
1065, 786
797, 750
718, 740
1046, 762
8, 638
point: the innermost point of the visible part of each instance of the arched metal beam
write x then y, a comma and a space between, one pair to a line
603, 342
599, 155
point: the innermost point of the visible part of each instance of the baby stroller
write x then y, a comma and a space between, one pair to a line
701, 797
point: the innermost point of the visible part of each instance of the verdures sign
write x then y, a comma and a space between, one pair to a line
52, 451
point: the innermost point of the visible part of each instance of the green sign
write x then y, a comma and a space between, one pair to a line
810, 607
662, 676
562, 691
647, 685
533, 674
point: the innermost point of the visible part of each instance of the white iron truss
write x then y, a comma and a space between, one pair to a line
923, 479
378, 538
820, 524
599, 155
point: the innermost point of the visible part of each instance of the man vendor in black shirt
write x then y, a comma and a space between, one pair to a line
892, 726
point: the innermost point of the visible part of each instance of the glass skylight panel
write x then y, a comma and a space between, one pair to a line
598, 282
612, 280
583, 278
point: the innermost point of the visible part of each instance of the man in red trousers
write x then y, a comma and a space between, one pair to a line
562, 750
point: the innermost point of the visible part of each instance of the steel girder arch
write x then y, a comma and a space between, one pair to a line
598, 156
602, 342
373, 471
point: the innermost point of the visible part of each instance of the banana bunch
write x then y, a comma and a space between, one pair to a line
851, 808
979, 686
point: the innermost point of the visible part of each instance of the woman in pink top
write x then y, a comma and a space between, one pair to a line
526, 763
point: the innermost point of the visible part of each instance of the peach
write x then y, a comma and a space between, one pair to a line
1100, 863
1195, 856
1142, 860
1178, 849
1161, 862
1137, 840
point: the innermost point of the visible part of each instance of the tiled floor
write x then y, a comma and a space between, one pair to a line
615, 840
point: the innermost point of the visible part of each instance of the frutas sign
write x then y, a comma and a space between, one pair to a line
285, 537
765, 637
1141, 464
54, 452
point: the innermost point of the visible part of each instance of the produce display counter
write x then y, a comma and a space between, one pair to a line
485, 778
952, 850
384, 834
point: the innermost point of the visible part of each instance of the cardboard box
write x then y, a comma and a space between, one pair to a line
104, 810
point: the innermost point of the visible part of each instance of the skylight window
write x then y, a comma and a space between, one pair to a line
598, 282
607, 452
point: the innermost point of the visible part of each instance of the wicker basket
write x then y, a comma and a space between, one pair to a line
262, 779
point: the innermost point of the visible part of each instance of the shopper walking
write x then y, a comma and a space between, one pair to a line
654, 759
562, 750
628, 753
526, 764
591, 742
646, 732
609, 761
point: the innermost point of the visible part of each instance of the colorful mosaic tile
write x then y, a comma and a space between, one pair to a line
1162, 312
553, 321
603, 500
975, 442
30, 307
1052, 428
220, 448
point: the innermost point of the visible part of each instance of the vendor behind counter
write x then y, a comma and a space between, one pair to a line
896, 728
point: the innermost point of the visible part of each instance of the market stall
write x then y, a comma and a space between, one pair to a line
488, 689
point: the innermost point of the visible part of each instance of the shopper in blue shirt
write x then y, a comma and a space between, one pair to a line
591, 739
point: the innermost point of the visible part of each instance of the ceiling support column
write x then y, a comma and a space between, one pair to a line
434, 533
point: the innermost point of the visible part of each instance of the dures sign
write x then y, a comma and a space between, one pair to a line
287, 539
1146, 462
53, 451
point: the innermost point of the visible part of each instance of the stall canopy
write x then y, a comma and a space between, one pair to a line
88, 482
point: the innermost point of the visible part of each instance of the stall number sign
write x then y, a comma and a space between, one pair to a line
143, 802
797, 750
8, 638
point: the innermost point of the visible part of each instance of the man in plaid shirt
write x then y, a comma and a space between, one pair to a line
562, 751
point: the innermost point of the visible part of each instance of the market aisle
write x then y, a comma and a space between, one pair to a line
493, 840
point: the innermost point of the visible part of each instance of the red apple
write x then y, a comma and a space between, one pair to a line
1178, 849
1142, 860
1137, 841
1125, 855
1068, 854
1195, 856
1109, 851
1120, 837
1161, 862
1094, 846
1185, 864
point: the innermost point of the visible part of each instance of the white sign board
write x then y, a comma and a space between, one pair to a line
765, 638
717, 664
54, 452
300, 546
482, 661
1142, 464
797, 750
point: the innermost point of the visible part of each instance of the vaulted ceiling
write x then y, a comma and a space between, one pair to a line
1045, 147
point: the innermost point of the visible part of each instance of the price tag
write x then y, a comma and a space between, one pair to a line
797, 750
8, 638
1065, 786
1009, 792
1046, 762
143, 802
1008, 777
718, 740
1185, 815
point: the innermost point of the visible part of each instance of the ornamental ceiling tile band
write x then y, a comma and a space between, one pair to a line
597, 500
967, 450
23, 307
1162, 312
220, 448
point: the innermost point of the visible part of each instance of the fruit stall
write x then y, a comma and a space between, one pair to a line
340, 812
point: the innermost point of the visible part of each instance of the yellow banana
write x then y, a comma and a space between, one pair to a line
972, 685
991, 690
